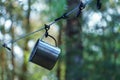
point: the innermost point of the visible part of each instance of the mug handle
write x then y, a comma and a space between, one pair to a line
50, 37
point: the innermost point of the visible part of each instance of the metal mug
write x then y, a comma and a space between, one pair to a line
44, 54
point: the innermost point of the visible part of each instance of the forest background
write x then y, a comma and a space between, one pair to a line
90, 43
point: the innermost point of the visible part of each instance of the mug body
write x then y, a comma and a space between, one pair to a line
44, 55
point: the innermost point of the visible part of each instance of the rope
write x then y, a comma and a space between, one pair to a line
79, 8
13, 41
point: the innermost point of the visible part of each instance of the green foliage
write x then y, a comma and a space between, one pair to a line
55, 9
101, 42
101, 50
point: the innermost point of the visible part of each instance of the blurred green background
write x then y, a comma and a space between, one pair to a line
90, 44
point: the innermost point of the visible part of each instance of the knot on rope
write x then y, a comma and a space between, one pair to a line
81, 7
47, 27
99, 4
5, 46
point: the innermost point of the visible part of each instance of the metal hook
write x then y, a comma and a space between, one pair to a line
47, 27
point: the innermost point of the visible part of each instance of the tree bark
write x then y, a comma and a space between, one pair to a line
59, 70
26, 49
73, 47
12, 51
59, 62
2, 63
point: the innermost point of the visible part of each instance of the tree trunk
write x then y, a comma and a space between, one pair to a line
60, 61
2, 63
12, 51
73, 47
26, 49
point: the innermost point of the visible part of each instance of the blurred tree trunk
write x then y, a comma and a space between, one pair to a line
59, 62
73, 46
60, 75
2, 60
26, 48
12, 50
2, 63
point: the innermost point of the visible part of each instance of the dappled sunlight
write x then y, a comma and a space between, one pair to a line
89, 43
94, 18
18, 53
8, 24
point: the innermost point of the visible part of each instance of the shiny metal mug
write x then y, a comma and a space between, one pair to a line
44, 54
